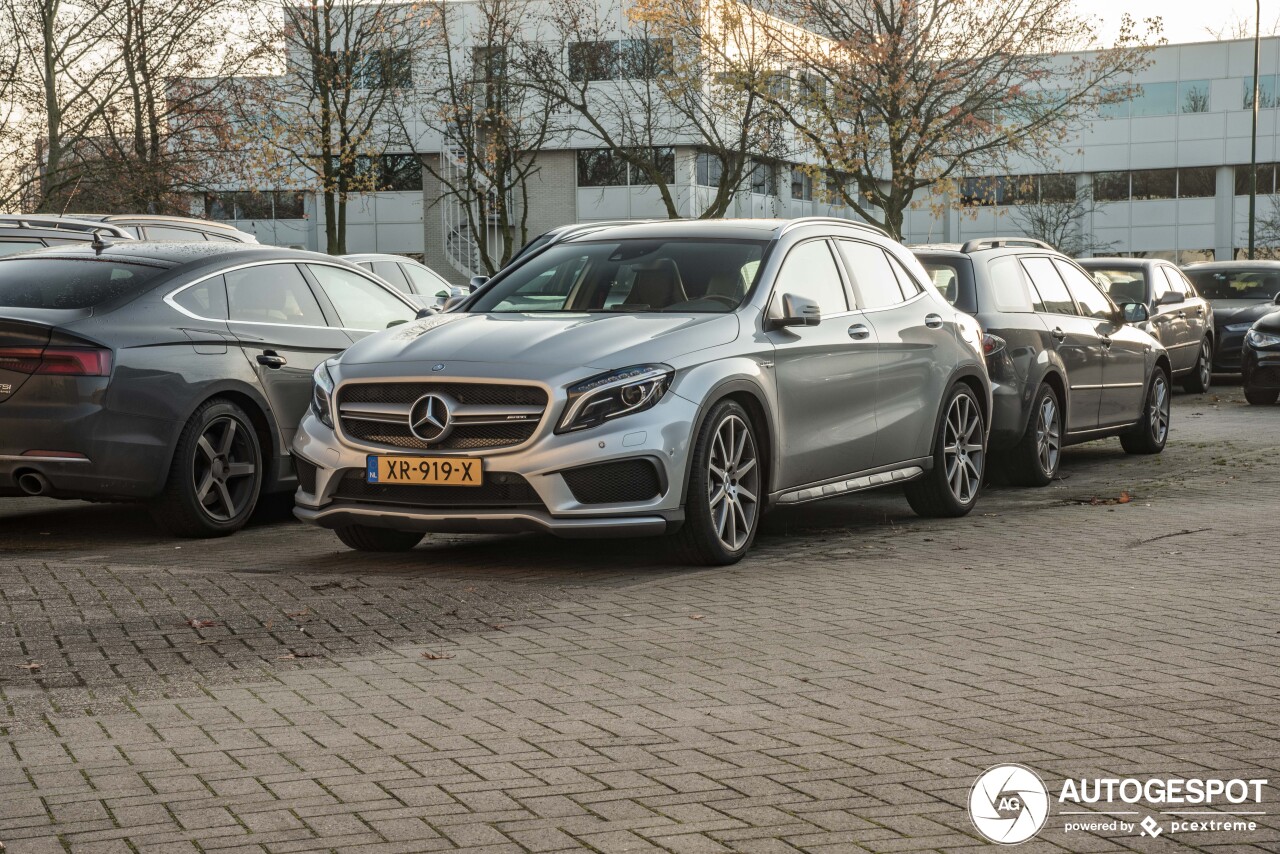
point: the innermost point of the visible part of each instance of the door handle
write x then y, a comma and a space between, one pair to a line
1058, 333
1106, 342
859, 331
1182, 315
272, 359
933, 321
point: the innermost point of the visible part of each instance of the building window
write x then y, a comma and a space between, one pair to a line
1114, 106
801, 185
603, 168
1155, 184
629, 59
1266, 179
1111, 186
1193, 96
593, 61
1154, 99
390, 68
709, 169
1201, 183
1057, 188
1018, 189
764, 179
489, 63
254, 204
399, 172
1266, 92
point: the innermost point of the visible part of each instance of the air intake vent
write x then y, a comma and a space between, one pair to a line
612, 483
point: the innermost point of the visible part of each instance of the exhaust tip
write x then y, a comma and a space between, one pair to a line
33, 483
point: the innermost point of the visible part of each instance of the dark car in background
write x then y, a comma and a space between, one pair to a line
173, 373
1066, 364
23, 233
1181, 319
1260, 360
182, 229
1241, 292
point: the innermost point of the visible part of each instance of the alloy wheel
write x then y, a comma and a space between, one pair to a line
1048, 435
223, 469
1206, 364
1158, 409
733, 482
962, 450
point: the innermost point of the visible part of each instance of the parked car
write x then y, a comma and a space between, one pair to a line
156, 227
23, 233
1260, 361
677, 377
1181, 319
1066, 364
408, 276
1241, 292
173, 373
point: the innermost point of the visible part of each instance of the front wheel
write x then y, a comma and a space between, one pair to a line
1261, 396
1152, 430
1201, 376
951, 487
215, 476
722, 507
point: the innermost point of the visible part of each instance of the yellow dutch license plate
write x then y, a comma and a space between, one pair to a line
415, 471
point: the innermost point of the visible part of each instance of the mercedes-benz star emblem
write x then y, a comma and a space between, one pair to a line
429, 418
438, 367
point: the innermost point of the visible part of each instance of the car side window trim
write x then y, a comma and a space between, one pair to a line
889, 259
169, 297
849, 297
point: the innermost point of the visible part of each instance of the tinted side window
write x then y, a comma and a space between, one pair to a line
207, 299
1054, 297
1009, 286
35, 282
11, 247
164, 232
1176, 283
360, 303
1092, 300
873, 278
908, 285
1159, 287
272, 293
390, 271
424, 281
811, 272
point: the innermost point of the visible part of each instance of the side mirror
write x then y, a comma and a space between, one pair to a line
426, 312
396, 323
1276, 301
477, 281
1169, 298
797, 311
1135, 312
453, 301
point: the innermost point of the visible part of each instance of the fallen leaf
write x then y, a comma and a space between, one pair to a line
1124, 498
32, 666
435, 656
268, 624
499, 625
695, 616
201, 624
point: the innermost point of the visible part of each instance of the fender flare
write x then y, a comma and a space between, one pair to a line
219, 387
966, 371
718, 392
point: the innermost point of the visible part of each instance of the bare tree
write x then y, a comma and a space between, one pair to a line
1061, 221
906, 95
1267, 227
490, 127
13, 138
326, 119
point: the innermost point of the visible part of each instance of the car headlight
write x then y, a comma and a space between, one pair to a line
322, 393
1238, 327
611, 395
1262, 339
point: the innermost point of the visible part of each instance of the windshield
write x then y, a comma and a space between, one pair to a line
629, 277
1236, 284
69, 283
1122, 284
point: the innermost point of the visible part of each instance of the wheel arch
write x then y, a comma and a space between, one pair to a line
752, 398
260, 415
977, 382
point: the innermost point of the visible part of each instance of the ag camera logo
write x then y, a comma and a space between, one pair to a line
1008, 804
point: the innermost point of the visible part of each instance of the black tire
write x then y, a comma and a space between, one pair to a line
1201, 376
952, 486
1152, 430
215, 478
363, 538
1261, 396
1034, 460
725, 490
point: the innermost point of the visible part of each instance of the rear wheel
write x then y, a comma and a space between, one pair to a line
216, 474
363, 538
1034, 460
951, 487
1201, 376
1152, 430
722, 508
1261, 396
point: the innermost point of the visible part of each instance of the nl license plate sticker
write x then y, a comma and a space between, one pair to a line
419, 471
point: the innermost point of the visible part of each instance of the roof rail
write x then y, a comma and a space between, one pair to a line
832, 220
58, 222
998, 242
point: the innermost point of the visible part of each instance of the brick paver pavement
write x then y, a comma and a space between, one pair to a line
838, 691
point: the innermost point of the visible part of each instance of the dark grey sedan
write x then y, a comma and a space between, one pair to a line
174, 373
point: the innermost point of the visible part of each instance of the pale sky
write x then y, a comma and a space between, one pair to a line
1184, 20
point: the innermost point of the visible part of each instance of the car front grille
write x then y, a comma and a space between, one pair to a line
481, 415
498, 490
611, 483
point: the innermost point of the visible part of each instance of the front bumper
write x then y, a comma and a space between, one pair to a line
659, 436
1228, 350
1260, 368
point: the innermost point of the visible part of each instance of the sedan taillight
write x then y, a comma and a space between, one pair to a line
64, 361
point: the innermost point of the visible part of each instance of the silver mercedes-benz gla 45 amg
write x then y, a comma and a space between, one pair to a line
677, 377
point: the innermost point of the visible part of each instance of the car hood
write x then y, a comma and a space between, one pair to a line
603, 341
1269, 322
1239, 311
